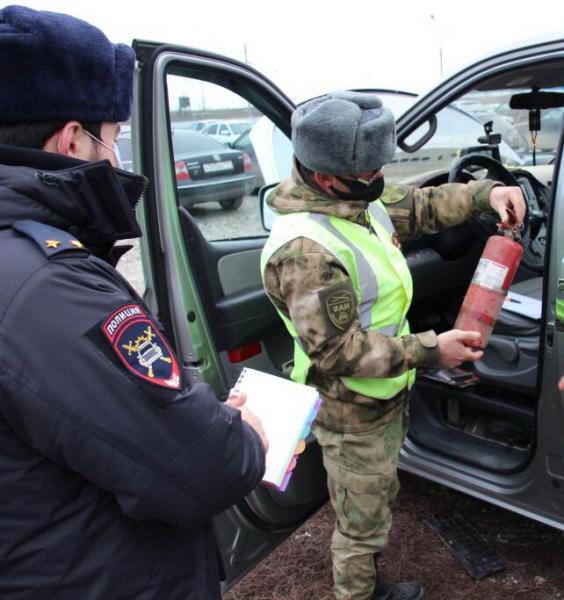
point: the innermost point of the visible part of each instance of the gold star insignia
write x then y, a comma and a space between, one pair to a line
52, 243
76, 244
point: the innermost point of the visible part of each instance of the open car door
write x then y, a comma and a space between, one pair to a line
500, 438
201, 247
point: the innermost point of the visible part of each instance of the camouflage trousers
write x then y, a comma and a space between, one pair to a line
362, 480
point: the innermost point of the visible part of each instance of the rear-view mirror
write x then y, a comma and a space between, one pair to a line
537, 100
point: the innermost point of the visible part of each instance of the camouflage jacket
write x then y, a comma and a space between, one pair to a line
298, 275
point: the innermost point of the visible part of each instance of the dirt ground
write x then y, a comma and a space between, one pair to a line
300, 569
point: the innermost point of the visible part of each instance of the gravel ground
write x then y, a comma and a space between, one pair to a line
300, 569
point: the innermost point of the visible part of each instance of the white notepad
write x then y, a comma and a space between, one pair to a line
286, 410
523, 305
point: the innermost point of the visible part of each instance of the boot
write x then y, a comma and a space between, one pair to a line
408, 590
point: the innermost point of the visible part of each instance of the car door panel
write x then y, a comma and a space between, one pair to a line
241, 312
237, 272
209, 293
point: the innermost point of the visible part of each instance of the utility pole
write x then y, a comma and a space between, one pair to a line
439, 38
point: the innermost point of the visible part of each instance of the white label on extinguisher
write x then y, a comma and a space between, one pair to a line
490, 274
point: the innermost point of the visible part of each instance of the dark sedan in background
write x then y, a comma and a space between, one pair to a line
206, 171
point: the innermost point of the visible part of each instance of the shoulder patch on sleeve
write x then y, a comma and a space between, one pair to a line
338, 305
394, 193
141, 347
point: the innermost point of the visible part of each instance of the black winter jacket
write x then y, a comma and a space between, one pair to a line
110, 468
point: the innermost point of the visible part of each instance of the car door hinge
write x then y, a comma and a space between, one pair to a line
193, 374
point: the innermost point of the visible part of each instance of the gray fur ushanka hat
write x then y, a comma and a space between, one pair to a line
343, 133
55, 67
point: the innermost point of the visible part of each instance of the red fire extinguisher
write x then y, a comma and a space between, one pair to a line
490, 284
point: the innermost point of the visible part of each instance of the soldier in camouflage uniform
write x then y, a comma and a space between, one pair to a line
319, 296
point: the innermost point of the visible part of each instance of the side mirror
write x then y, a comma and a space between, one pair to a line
267, 215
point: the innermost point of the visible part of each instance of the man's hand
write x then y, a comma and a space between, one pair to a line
561, 384
237, 400
509, 203
452, 349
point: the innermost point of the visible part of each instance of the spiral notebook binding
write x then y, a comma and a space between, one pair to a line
240, 378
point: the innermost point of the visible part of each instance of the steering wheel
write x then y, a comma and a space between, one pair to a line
494, 169
487, 222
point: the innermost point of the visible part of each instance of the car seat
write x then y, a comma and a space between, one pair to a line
511, 357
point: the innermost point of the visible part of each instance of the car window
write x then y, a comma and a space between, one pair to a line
218, 178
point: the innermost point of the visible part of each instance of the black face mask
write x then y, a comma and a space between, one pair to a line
361, 191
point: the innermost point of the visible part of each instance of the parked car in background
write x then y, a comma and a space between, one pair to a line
192, 125
226, 132
244, 144
207, 171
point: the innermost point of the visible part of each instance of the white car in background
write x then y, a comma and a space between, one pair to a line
226, 132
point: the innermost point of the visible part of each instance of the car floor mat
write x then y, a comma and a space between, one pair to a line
476, 555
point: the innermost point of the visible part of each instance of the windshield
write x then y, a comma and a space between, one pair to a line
461, 129
513, 124
457, 134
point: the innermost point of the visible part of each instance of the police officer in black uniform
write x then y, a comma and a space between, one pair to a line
110, 467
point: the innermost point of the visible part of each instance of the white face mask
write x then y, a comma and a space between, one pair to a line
114, 148
118, 156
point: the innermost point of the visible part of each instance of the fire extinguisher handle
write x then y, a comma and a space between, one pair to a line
511, 233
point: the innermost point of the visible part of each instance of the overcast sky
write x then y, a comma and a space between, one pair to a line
311, 46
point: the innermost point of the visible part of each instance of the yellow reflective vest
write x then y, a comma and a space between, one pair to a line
379, 275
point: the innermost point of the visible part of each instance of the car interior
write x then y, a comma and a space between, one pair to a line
485, 416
